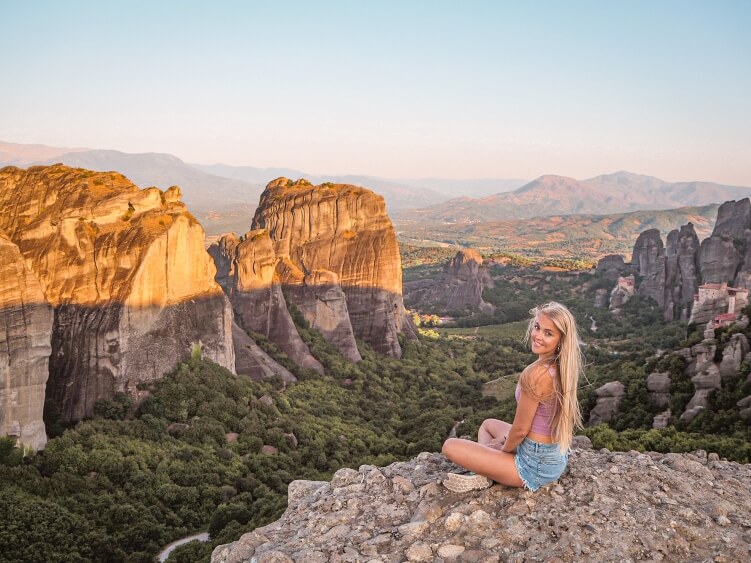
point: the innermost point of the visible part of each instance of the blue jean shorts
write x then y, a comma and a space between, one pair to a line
539, 464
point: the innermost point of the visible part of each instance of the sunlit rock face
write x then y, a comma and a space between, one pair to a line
246, 270
127, 274
25, 333
345, 230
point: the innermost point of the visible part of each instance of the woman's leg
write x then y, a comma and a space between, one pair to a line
497, 465
493, 430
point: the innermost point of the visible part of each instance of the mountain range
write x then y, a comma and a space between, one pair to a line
224, 197
559, 195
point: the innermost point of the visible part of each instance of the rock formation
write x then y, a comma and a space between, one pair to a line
682, 272
622, 292
25, 336
602, 298
246, 270
344, 230
649, 263
658, 385
733, 355
127, 274
458, 288
606, 507
608, 398
611, 266
252, 361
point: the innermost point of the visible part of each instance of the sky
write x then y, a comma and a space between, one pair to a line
399, 89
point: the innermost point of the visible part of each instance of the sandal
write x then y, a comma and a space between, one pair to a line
464, 483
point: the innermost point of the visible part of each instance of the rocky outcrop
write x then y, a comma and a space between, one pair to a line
321, 300
606, 507
252, 361
649, 263
732, 355
726, 255
658, 385
602, 298
246, 270
682, 273
345, 230
25, 336
127, 274
719, 259
622, 292
611, 266
458, 289
608, 399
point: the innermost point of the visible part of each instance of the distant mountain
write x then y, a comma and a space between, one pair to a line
470, 187
16, 154
398, 194
559, 236
558, 195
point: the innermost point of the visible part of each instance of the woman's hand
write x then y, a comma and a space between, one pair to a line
497, 443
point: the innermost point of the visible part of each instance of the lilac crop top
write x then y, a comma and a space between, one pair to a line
543, 420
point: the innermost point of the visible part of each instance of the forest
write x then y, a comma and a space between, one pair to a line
210, 451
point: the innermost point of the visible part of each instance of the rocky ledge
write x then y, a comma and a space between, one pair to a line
609, 506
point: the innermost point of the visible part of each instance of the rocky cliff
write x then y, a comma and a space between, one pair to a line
127, 274
341, 230
607, 507
458, 288
648, 261
246, 270
25, 335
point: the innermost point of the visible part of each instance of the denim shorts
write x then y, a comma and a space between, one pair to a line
539, 464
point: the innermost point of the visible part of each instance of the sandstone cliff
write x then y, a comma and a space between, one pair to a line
606, 507
649, 263
344, 230
127, 274
246, 270
25, 335
458, 288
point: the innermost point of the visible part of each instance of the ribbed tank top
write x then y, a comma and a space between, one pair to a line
543, 420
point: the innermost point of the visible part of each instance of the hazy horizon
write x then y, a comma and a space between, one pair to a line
393, 90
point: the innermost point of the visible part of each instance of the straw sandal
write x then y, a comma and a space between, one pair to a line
463, 483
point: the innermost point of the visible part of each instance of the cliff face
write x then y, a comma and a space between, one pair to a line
458, 288
606, 507
126, 272
345, 230
25, 333
246, 270
682, 272
649, 262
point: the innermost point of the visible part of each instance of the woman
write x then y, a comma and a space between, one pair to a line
533, 451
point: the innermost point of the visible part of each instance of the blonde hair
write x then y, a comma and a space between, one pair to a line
569, 362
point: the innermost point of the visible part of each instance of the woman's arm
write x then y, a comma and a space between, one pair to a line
525, 414
527, 407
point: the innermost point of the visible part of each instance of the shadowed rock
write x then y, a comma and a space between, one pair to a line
246, 270
25, 335
458, 288
127, 274
608, 398
345, 230
649, 262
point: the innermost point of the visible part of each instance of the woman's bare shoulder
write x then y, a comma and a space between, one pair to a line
539, 378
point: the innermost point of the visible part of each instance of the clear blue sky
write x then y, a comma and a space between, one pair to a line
397, 89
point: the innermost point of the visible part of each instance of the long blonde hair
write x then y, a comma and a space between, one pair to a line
570, 364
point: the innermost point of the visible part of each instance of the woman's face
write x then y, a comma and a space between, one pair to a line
545, 336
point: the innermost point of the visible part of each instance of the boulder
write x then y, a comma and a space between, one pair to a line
662, 419
608, 398
659, 388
